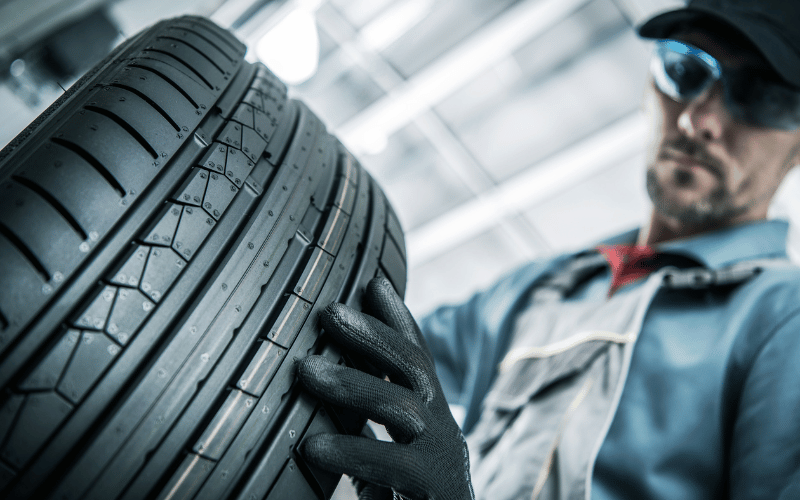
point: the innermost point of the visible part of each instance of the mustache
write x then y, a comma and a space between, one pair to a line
695, 151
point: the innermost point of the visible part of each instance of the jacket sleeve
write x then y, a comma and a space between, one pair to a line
468, 340
765, 448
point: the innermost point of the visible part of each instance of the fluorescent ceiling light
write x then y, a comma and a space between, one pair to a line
291, 48
511, 30
393, 23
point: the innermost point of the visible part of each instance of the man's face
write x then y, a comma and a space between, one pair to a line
706, 168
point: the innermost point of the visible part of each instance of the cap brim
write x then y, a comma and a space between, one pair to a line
782, 59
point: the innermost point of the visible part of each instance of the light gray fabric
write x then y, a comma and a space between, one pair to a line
549, 406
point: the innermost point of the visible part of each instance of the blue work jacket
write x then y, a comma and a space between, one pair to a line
711, 404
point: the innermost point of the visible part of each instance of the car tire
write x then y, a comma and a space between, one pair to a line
170, 229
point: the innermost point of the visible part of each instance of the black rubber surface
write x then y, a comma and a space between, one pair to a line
169, 230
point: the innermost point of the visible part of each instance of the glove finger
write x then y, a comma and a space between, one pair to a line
382, 301
383, 463
396, 355
389, 404
369, 491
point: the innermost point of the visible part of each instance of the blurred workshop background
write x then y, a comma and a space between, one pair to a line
501, 130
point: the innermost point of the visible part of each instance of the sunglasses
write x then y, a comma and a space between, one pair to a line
684, 72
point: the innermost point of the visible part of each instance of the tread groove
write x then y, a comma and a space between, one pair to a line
215, 45
3, 321
220, 37
168, 80
125, 125
173, 56
91, 160
184, 42
24, 250
61, 209
150, 102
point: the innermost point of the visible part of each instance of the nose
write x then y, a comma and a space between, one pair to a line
705, 117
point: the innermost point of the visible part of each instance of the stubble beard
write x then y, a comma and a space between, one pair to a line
713, 210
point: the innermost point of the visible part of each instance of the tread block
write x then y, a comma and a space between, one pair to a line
231, 135
270, 465
291, 484
130, 274
280, 139
253, 98
20, 301
138, 115
219, 194
41, 414
193, 32
322, 424
394, 265
289, 322
163, 268
49, 370
95, 316
163, 233
92, 355
8, 414
244, 115
203, 26
267, 79
261, 369
264, 125
333, 232
314, 275
252, 144
395, 230
345, 196
225, 425
186, 83
130, 310
193, 188
193, 229
273, 106
202, 44
163, 94
215, 158
51, 240
188, 59
111, 148
188, 478
238, 166
76, 185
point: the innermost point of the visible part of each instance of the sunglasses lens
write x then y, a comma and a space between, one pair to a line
683, 72
683, 76
689, 75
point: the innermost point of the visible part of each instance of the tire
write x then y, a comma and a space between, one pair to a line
169, 230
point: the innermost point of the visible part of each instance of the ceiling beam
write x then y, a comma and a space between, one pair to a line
475, 55
605, 149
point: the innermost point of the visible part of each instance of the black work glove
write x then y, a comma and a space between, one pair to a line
428, 458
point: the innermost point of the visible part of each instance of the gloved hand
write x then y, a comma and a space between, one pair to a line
428, 458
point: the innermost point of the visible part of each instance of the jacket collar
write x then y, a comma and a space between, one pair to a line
715, 249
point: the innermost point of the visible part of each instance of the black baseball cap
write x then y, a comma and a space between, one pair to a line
772, 26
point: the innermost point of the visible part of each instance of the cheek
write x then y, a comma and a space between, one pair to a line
762, 162
662, 113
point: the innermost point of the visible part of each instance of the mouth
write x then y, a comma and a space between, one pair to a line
692, 162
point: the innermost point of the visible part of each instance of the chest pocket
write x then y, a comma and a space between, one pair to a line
528, 412
549, 381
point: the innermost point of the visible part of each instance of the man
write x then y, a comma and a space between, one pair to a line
662, 364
